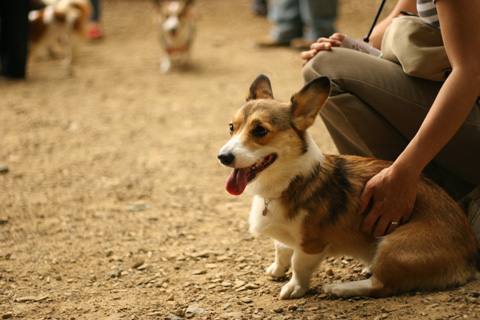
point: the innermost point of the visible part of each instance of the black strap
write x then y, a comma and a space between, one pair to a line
367, 38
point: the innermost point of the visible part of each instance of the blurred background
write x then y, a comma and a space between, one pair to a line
112, 201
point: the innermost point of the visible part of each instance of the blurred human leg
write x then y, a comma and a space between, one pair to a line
285, 16
319, 16
14, 37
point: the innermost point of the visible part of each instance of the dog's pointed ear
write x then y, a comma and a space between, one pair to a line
307, 103
260, 89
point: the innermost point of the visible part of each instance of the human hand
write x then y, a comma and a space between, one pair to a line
335, 40
392, 193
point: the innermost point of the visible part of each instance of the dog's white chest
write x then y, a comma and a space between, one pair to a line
273, 222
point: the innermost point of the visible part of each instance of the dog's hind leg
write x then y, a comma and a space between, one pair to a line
349, 289
366, 288
303, 266
69, 50
283, 258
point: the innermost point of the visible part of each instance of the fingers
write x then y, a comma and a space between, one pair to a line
314, 49
370, 221
393, 225
319, 46
384, 226
326, 43
334, 40
365, 199
380, 224
307, 55
338, 36
393, 200
379, 220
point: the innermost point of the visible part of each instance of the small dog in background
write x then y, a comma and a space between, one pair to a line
176, 29
60, 23
308, 203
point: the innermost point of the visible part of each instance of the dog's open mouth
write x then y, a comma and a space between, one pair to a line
239, 178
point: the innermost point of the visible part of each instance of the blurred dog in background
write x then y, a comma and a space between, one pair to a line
59, 26
175, 23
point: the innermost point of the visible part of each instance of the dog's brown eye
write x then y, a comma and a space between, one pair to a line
231, 128
259, 132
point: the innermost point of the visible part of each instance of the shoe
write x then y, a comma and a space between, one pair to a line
15, 74
301, 43
271, 43
471, 206
95, 32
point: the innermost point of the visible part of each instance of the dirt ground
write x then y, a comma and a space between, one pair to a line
113, 205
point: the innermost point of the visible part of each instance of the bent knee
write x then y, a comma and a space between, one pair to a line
328, 63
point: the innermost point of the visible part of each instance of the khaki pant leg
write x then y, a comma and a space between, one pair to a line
375, 109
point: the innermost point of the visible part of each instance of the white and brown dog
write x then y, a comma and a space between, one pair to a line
308, 203
60, 22
175, 23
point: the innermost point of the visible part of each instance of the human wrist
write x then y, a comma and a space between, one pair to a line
407, 169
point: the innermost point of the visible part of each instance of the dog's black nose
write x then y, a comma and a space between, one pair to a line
226, 158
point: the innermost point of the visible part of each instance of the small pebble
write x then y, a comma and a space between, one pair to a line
194, 310
137, 264
246, 300
25, 299
142, 267
198, 272
7, 315
278, 310
139, 207
3, 168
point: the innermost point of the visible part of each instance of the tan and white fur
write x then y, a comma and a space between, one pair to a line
175, 23
60, 22
308, 203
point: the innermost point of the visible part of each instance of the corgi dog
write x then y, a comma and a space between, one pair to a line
59, 22
308, 202
175, 23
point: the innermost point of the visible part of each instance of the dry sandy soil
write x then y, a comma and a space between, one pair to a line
114, 206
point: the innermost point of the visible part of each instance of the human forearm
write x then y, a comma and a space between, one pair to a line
394, 189
459, 92
447, 114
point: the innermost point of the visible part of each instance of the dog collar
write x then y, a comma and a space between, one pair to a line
265, 208
266, 202
181, 49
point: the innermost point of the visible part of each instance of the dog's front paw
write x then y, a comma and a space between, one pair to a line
165, 65
293, 290
276, 271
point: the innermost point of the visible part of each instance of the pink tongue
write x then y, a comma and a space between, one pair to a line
237, 181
